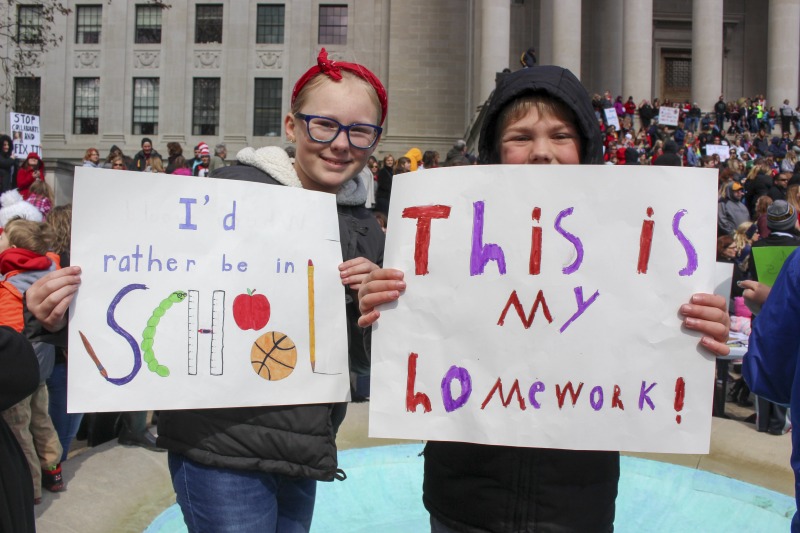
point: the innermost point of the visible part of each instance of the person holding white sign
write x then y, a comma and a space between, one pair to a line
536, 116
255, 469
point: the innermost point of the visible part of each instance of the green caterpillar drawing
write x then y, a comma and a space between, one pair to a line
149, 333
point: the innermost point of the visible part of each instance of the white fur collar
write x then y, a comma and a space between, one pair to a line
275, 161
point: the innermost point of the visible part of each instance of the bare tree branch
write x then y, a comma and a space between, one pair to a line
27, 32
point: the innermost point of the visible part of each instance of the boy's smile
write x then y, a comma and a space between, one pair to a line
543, 140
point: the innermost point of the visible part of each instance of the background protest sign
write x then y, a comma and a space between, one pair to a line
541, 308
203, 293
769, 261
25, 134
722, 150
668, 116
611, 117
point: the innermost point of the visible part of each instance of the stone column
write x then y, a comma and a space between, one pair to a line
609, 52
567, 35
495, 19
783, 52
116, 78
637, 50
236, 98
175, 89
707, 52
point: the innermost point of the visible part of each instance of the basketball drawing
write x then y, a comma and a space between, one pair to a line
273, 356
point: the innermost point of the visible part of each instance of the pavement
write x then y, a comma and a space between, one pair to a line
113, 488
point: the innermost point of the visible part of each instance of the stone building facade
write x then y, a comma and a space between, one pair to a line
222, 70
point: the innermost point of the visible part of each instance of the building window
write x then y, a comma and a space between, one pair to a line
148, 25
29, 24
267, 107
145, 106
86, 106
205, 106
269, 23
89, 22
208, 24
26, 95
333, 24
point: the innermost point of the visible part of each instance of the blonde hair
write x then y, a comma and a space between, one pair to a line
34, 236
42, 188
60, 220
156, 164
793, 197
740, 236
319, 81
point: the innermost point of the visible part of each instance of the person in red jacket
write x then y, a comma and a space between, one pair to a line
31, 170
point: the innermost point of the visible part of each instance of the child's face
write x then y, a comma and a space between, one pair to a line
327, 166
544, 140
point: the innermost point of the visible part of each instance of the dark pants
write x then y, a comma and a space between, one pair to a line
770, 416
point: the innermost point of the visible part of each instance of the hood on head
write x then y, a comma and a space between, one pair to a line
10, 145
552, 81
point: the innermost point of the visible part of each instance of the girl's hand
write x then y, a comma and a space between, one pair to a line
49, 297
708, 314
355, 270
381, 286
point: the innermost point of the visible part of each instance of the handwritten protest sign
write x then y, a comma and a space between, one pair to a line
611, 117
541, 308
722, 150
769, 261
25, 134
204, 293
668, 116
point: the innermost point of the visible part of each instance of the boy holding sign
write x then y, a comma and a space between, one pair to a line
541, 115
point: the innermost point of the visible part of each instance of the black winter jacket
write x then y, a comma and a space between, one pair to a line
293, 440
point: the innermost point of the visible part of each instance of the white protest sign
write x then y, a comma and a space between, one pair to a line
611, 117
723, 151
541, 308
200, 292
668, 116
25, 134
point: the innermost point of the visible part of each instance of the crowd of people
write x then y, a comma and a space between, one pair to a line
148, 159
255, 469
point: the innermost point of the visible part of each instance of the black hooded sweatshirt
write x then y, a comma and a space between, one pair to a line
478, 488
7, 165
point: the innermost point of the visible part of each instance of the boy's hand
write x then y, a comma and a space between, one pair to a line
708, 314
755, 294
355, 270
381, 286
49, 297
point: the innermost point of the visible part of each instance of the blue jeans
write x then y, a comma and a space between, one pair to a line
66, 424
222, 500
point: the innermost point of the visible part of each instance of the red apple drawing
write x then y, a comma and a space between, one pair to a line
251, 310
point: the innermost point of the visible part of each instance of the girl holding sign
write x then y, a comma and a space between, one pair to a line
541, 115
255, 469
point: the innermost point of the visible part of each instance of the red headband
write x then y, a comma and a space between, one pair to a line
333, 69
